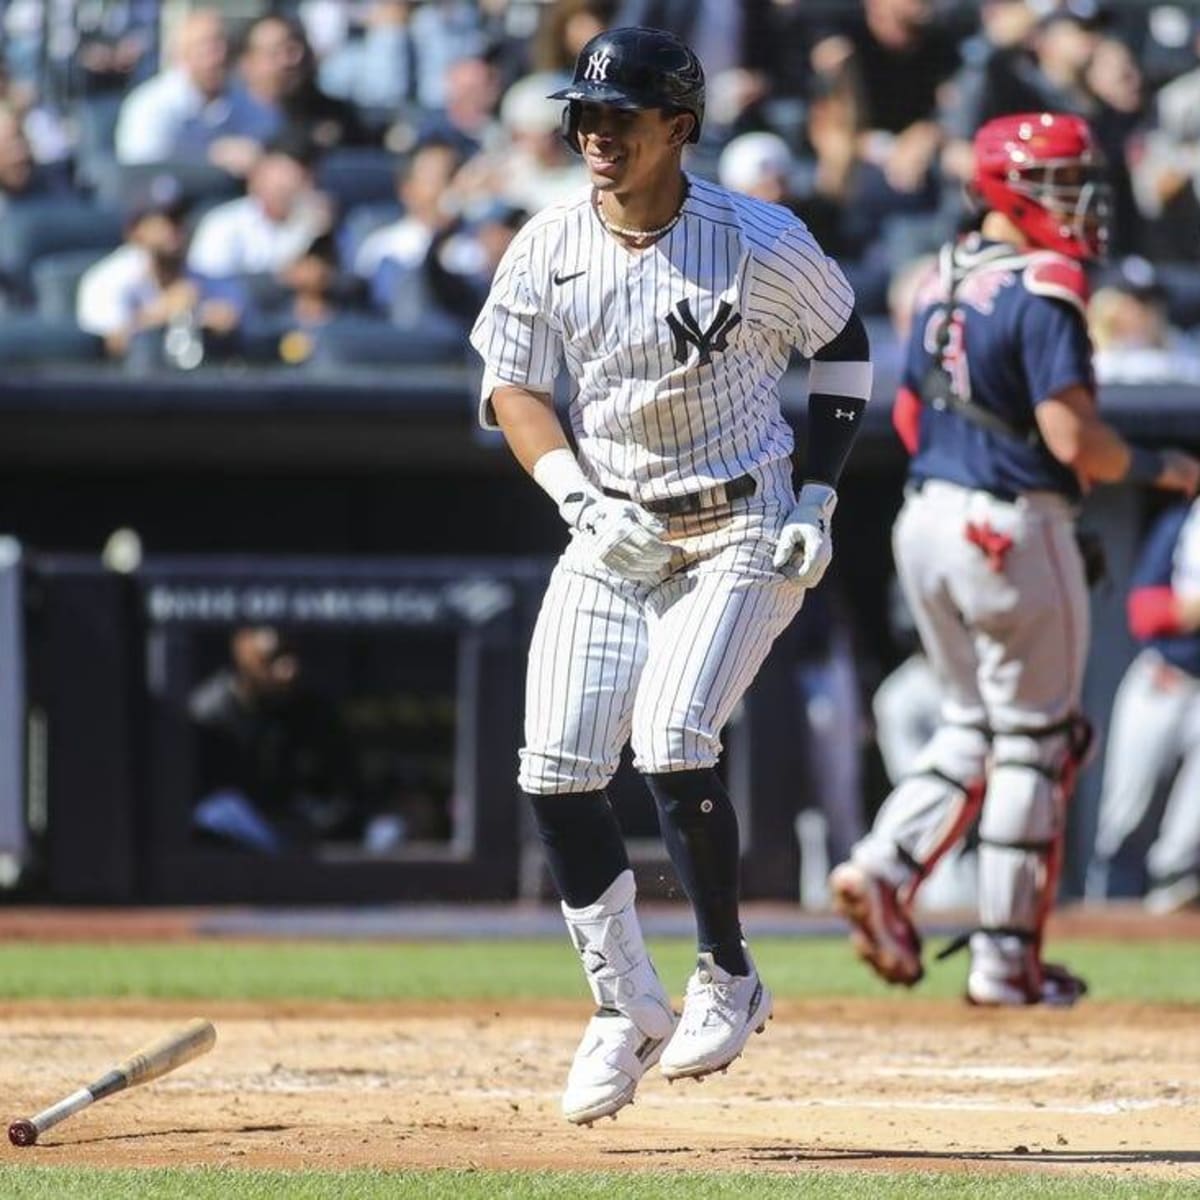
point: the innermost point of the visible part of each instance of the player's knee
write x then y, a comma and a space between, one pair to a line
1022, 804
958, 752
669, 746
688, 799
547, 772
1019, 808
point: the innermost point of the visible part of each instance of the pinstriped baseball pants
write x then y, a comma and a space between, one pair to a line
662, 665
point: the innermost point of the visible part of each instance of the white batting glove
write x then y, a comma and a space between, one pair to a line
622, 535
805, 545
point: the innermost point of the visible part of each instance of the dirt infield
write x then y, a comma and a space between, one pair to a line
922, 1085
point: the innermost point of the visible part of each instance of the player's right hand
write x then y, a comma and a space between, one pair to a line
621, 535
1180, 473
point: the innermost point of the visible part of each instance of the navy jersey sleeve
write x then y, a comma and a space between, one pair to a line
1056, 350
1154, 562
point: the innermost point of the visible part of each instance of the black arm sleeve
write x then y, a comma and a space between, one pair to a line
833, 419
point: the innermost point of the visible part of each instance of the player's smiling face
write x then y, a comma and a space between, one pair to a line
628, 149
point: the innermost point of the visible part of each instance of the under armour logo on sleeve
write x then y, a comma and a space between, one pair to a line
686, 331
843, 414
597, 66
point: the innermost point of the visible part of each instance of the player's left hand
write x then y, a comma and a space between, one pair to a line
805, 544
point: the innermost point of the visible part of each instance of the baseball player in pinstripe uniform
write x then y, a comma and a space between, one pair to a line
998, 409
673, 305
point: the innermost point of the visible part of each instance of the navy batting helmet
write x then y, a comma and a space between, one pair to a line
634, 67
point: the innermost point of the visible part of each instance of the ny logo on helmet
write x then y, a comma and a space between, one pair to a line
597, 66
686, 331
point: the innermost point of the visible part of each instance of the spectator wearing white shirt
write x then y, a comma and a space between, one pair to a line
182, 111
377, 70
1134, 340
391, 259
271, 227
532, 167
143, 285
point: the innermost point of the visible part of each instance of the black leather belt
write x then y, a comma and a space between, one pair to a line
694, 502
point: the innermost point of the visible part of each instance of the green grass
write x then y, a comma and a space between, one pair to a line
84, 1184
1156, 972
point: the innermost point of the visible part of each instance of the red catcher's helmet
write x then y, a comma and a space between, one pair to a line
1045, 172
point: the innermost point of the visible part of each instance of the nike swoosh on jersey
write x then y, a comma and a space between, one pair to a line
559, 280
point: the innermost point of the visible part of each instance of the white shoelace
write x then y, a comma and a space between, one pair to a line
715, 996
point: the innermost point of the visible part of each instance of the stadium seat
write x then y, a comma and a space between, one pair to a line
1178, 283
33, 232
198, 182
359, 225
27, 339
115, 183
358, 176
97, 123
361, 341
56, 280
1182, 284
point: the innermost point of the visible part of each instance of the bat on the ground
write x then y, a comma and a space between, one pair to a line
196, 1038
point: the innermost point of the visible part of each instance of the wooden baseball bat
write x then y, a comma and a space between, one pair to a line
196, 1038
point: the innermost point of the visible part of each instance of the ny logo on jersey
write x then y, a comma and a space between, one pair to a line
597, 66
686, 331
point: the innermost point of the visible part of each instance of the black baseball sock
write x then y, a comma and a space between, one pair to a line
584, 847
700, 830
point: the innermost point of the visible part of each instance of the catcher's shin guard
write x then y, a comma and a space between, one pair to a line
928, 812
1020, 861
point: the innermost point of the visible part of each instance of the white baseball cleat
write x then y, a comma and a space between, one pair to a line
882, 933
611, 1059
634, 1017
720, 1011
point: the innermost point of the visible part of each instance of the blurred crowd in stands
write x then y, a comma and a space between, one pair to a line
334, 181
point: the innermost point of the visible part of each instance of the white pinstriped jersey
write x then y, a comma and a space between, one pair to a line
675, 351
